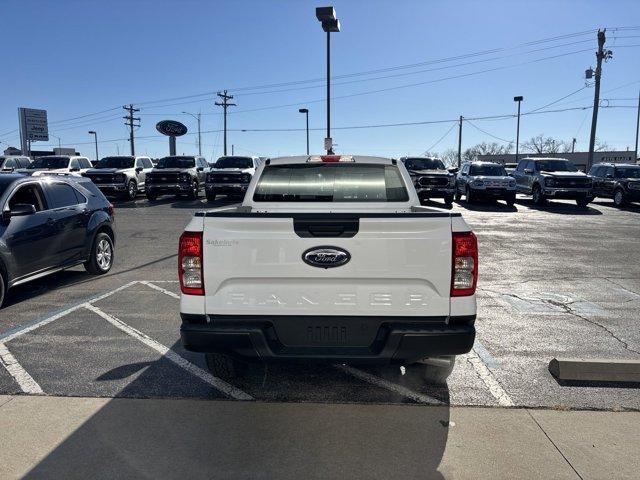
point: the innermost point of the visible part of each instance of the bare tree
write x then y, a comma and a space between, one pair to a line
601, 145
542, 144
485, 148
449, 157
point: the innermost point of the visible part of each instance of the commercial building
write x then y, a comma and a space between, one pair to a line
579, 159
42, 153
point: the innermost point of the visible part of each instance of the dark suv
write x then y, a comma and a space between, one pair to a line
431, 178
620, 182
50, 223
177, 175
546, 178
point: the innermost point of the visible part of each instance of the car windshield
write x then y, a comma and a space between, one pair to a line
327, 182
176, 162
49, 163
115, 162
628, 172
555, 166
234, 162
423, 164
488, 170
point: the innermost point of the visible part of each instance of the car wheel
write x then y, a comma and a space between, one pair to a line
3, 288
211, 196
448, 200
151, 196
224, 366
511, 200
458, 195
538, 197
195, 190
101, 258
618, 198
132, 190
469, 194
434, 371
582, 202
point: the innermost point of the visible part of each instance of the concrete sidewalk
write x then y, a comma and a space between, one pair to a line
54, 437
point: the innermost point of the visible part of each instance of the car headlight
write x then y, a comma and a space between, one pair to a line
512, 183
185, 177
120, 177
477, 183
549, 182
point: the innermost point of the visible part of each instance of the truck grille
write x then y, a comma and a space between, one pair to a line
160, 178
572, 182
433, 181
496, 183
227, 178
100, 178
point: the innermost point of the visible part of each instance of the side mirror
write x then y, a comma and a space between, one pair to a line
8, 169
19, 210
528, 170
200, 169
138, 169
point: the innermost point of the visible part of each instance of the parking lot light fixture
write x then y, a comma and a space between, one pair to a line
327, 16
519, 100
197, 117
95, 137
306, 113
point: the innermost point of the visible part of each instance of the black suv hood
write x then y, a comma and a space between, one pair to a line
564, 174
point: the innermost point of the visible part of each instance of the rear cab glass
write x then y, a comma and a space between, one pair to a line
330, 182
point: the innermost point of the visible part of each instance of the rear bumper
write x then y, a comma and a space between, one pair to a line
363, 340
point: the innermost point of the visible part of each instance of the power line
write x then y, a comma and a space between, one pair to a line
558, 100
441, 138
487, 133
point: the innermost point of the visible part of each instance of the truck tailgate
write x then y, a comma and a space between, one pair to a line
400, 264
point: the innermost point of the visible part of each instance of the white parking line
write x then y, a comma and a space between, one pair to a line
10, 335
501, 396
215, 382
160, 289
19, 374
387, 385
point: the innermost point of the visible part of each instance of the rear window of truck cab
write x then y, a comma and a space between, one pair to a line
331, 182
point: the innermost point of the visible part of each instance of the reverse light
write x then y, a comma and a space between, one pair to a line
190, 263
464, 272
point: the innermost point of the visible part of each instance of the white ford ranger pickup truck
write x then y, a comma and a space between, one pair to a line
329, 258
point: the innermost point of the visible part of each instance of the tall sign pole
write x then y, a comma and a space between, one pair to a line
637, 128
519, 100
460, 142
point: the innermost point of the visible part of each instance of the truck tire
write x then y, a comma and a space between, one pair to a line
211, 197
510, 199
101, 257
432, 373
224, 366
458, 195
538, 197
448, 200
619, 199
469, 194
152, 197
132, 190
582, 202
3, 287
195, 190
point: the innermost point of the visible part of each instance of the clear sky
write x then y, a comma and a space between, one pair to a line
75, 58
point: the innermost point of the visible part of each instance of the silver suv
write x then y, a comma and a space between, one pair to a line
123, 176
485, 180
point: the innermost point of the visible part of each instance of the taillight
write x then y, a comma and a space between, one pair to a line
111, 209
464, 273
190, 263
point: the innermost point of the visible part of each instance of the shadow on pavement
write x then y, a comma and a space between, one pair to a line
635, 208
488, 206
174, 202
195, 438
561, 208
431, 203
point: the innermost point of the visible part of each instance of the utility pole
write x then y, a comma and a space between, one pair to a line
130, 122
637, 128
232, 149
573, 145
225, 104
460, 142
601, 54
519, 100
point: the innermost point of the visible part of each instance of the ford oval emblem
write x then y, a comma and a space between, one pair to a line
326, 257
171, 128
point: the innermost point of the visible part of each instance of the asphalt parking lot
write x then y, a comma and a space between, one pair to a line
554, 281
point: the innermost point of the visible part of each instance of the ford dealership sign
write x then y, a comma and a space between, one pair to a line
171, 128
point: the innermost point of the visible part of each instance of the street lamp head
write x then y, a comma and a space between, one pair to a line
324, 14
331, 26
304, 110
518, 99
92, 132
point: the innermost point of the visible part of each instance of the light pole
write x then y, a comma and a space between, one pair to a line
95, 136
327, 16
306, 113
519, 100
59, 142
197, 117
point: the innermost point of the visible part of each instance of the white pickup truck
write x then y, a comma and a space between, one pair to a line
332, 259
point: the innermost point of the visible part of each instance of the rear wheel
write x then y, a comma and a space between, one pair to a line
195, 190
538, 197
224, 366
458, 195
151, 196
101, 258
469, 194
511, 200
434, 370
618, 198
